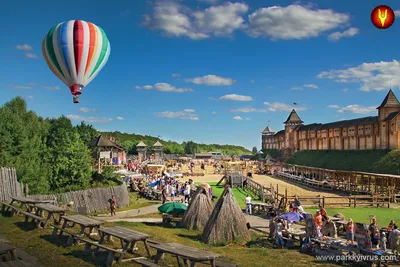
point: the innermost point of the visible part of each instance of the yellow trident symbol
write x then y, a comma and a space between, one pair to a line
382, 18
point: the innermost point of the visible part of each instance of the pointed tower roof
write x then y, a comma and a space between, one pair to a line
267, 130
158, 144
141, 144
293, 117
390, 101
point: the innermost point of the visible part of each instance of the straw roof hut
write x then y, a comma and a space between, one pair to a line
227, 222
199, 210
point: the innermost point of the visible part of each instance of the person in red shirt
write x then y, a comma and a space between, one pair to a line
318, 222
323, 213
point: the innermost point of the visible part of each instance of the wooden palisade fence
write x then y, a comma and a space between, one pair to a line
91, 200
9, 186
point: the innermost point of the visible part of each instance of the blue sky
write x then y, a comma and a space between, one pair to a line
209, 71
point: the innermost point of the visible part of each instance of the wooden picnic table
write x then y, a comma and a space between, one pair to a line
83, 221
24, 201
51, 210
8, 249
128, 237
259, 207
300, 234
334, 219
189, 255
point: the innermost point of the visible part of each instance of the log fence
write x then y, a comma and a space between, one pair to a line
9, 185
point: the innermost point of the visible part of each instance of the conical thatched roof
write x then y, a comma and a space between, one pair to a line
199, 210
227, 222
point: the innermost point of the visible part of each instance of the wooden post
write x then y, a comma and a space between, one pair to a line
286, 199
277, 192
349, 201
323, 201
355, 204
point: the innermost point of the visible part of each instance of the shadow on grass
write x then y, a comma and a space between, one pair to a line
260, 242
59, 241
98, 259
26, 226
192, 237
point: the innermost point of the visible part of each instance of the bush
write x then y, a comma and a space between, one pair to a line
106, 178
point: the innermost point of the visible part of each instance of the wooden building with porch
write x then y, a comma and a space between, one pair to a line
347, 181
107, 152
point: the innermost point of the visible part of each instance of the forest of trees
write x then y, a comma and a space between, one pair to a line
129, 142
52, 155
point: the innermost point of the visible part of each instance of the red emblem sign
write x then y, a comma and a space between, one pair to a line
382, 17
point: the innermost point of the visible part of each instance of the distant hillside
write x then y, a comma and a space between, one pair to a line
129, 141
375, 161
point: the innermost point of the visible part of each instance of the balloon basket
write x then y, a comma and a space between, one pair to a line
76, 99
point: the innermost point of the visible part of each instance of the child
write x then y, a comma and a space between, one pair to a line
350, 231
278, 233
383, 241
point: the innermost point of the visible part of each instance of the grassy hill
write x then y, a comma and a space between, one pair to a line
376, 161
129, 141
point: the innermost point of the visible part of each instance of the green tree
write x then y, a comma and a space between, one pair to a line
69, 157
22, 135
254, 150
190, 147
86, 132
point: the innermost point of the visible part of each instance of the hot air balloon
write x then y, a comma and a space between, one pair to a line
75, 52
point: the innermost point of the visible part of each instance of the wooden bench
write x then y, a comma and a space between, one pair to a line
111, 252
72, 239
145, 263
13, 209
35, 219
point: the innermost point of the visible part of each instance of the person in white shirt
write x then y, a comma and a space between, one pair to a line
172, 192
248, 204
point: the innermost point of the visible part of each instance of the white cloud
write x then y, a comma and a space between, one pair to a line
176, 75
51, 87
357, 109
345, 90
311, 86
375, 76
165, 87
279, 106
20, 86
238, 118
86, 110
294, 22
333, 106
252, 81
31, 55
336, 36
186, 114
24, 47
29, 97
296, 89
175, 19
212, 80
247, 119
88, 119
248, 110
214, 112
397, 12
119, 118
235, 97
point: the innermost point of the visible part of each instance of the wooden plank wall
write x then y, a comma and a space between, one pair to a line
9, 186
91, 200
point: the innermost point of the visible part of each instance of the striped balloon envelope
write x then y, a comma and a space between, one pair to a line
75, 52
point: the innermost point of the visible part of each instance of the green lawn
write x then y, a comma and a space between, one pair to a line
50, 252
239, 193
361, 214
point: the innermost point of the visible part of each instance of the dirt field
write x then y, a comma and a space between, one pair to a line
267, 181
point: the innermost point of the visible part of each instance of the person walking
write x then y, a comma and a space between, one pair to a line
164, 195
248, 204
113, 204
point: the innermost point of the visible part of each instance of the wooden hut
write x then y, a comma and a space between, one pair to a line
107, 152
